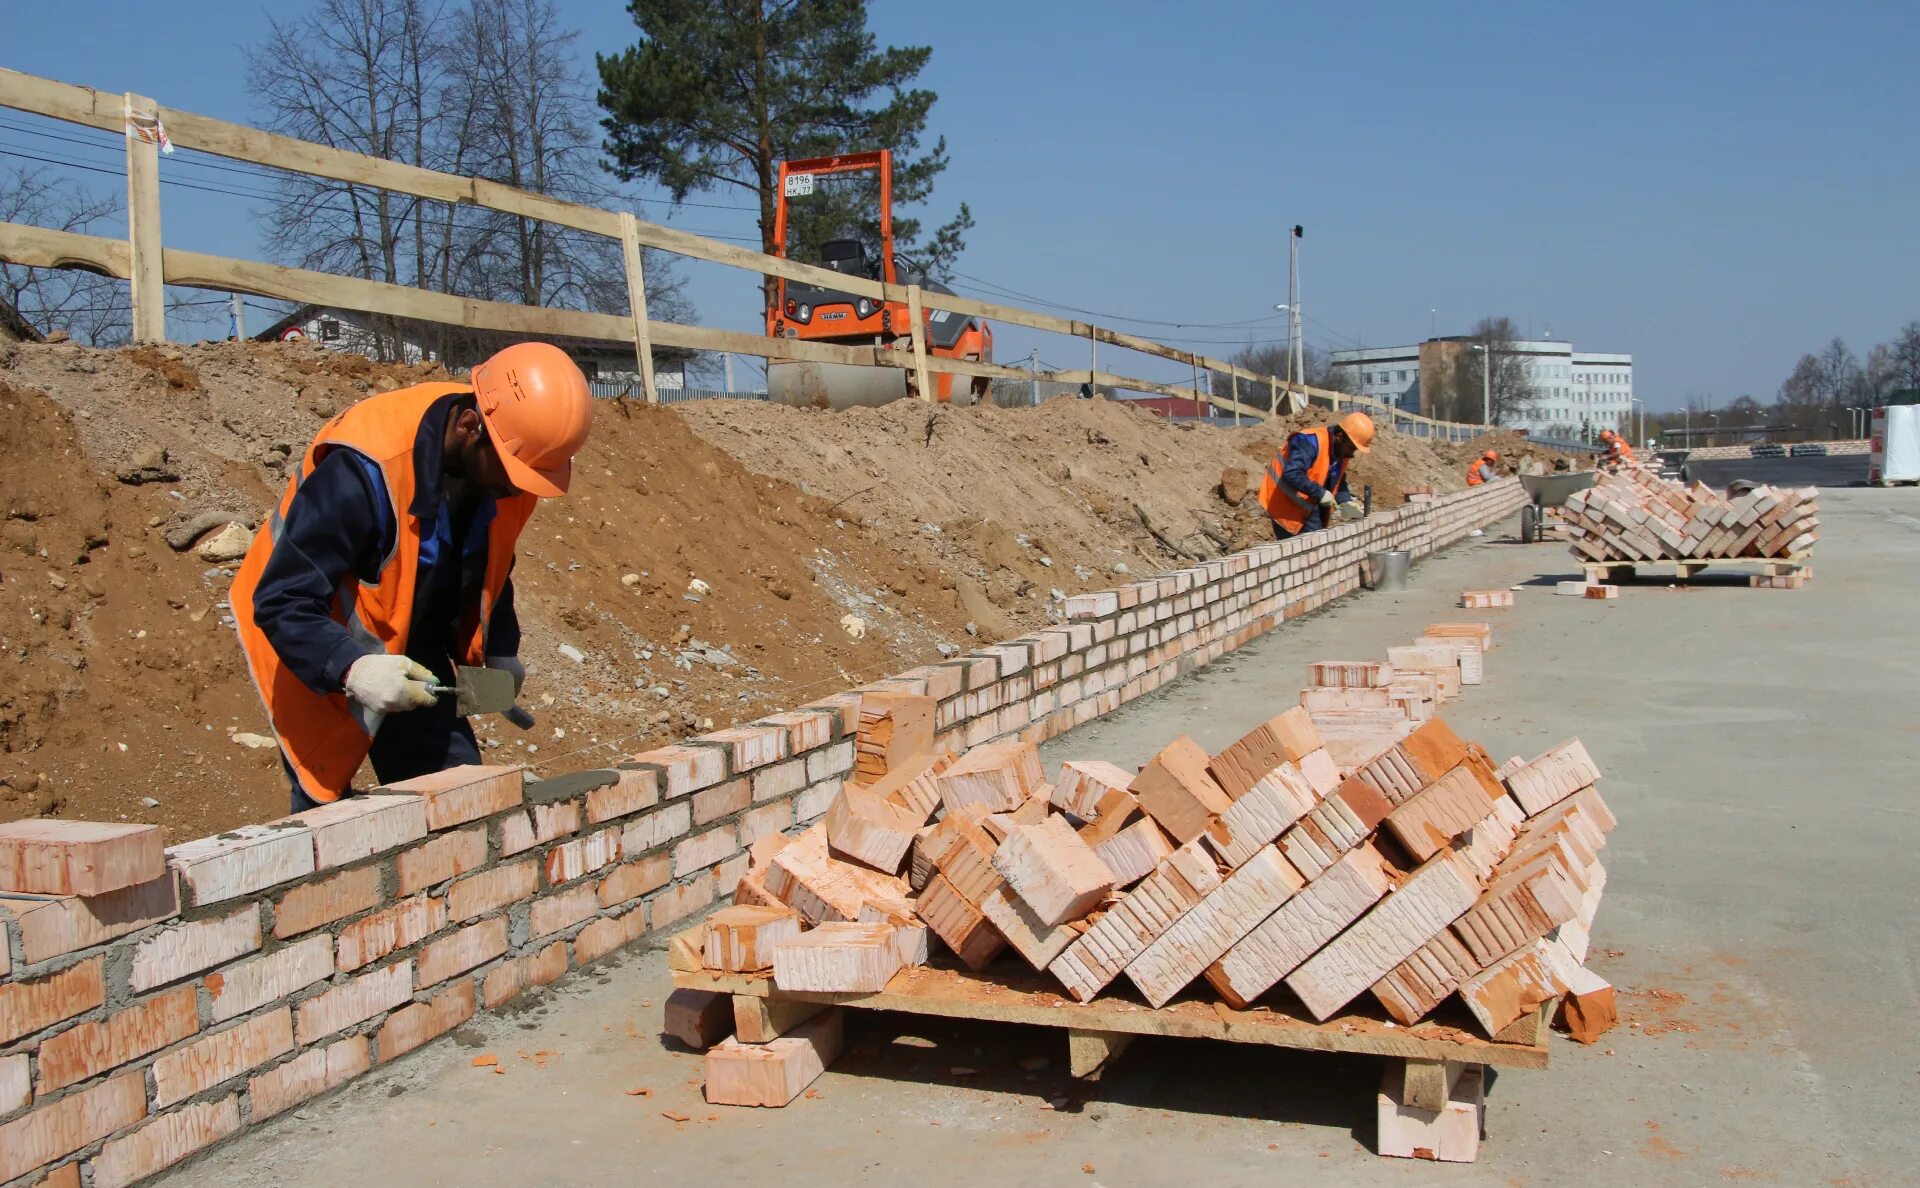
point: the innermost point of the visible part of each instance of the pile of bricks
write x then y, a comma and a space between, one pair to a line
265, 966
1396, 862
1638, 516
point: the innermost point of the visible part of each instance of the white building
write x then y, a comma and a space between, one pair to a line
1576, 393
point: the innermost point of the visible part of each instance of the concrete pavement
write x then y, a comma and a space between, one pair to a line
1758, 746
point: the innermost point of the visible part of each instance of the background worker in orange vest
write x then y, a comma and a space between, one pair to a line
1618, 451
1483, 469
387, 563
1307, 479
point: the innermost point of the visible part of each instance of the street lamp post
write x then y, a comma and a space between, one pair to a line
1486, 384
1715, 418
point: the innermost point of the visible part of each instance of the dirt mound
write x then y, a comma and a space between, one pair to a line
702, 572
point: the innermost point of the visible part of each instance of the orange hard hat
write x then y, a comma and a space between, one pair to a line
538, 411
1606, 434
1358, 427
1493, 455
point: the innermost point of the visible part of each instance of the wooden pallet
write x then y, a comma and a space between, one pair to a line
1614, 572
1434, 1053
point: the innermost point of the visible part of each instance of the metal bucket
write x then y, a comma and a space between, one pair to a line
1387, 569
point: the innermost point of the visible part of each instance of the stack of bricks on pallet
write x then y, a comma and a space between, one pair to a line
270, 964
1638, 516
1417, 874
1585, 589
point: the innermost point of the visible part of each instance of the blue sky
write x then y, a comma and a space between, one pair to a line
1715, 188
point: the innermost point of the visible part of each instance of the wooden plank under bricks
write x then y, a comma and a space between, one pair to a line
1284, 738
1053, 871
1262, 814
1119, 935
1431, 898
1204, 934
1082, 782
998, 776
741, 939
838, 958
1428, 821
774, 1073
1314, 916
1175, 789
1449, 1135
1553, 776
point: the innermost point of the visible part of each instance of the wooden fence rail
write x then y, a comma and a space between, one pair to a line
148, 266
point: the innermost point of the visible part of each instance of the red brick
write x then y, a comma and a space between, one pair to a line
767, 819
93, 1048
361, 826
242, 861
679, 902
704, 849
637, 788
412, 1026
307, 1075
505, 982
686, 769
806, 729
521, 831
241, 988
749, 747
221, 1056
635, 879
67, 1175
563, 910
306, 908
441, 859
50, 928
463, 950
16, 1085
401, 926
582, 856
353, 1001
27, 1007
728, 874
655, 829
189, 948
164, 1142
47, 857
603, 936
76, 1121
461, 794
491, 890
711, 804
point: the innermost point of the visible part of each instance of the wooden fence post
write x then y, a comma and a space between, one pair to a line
637, 302
148, 280
917, 317
1233, 377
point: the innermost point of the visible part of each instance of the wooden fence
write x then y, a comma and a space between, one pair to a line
143, 261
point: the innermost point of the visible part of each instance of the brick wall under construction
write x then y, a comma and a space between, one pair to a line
273, 963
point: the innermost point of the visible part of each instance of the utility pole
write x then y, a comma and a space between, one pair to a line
1033, 365
239, 315
728, 357
1297, 364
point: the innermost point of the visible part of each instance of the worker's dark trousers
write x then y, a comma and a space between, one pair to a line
1313, 524
419, 742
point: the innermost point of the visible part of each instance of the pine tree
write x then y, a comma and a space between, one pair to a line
717, 93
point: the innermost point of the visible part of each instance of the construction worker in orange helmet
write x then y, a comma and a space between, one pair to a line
388, 562
1307, 480
1483, 470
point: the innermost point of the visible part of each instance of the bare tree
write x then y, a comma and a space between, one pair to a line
1905, 349
93, 309
1270, 359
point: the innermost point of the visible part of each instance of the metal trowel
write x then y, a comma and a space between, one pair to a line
485, 691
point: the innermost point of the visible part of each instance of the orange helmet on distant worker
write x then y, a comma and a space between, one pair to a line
1606, 435
538, 411
1493, 455
1358, 427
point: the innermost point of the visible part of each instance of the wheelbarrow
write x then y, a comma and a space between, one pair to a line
1549, 490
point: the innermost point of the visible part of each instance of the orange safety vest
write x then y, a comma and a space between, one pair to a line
1473, 472
324, 736
1287, 507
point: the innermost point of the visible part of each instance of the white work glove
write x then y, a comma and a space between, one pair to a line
1351, 510
389, 684
1327, 500
510, 664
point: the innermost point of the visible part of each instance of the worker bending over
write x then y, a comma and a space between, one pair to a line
1483, 469
1307, 479
1619, 453
387, 563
